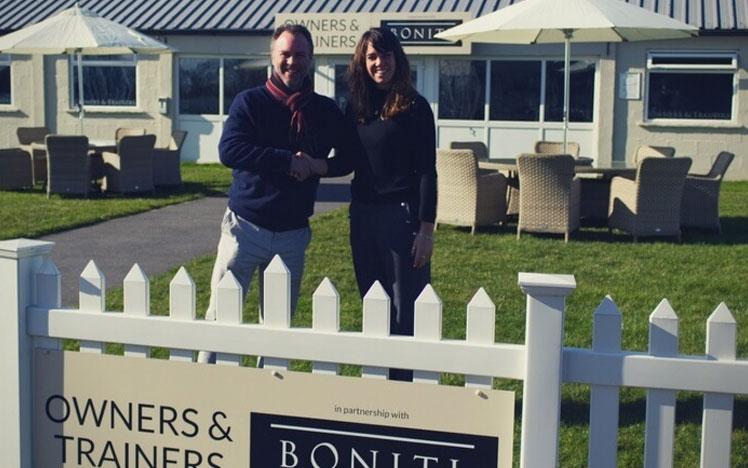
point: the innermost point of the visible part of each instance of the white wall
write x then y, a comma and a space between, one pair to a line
700, 142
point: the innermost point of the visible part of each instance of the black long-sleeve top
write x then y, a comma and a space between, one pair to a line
399, 158
257, 144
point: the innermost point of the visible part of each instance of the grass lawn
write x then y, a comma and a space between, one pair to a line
695, 275
29, 213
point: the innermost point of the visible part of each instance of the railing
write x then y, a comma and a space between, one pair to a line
30, 316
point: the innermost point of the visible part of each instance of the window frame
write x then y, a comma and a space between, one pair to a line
122, 60
486, 122
222, 110
721, 69
7, 60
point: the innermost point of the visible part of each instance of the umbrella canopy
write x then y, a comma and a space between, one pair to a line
78, 30
555, 21
81, 32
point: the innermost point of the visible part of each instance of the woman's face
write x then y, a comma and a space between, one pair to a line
380, 66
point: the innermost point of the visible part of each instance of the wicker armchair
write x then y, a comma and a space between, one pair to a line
166, 161
557, 147
549, 199
130, 169
700, 204
68, 165
467, 198
15, 169
647, 151
651, 204
27, 136
479, 149
127, 131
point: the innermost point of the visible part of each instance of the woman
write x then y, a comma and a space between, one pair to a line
394, 190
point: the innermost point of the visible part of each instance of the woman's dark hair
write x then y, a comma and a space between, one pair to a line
401, 94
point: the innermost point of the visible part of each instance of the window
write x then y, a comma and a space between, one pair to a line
518, 90
198, 85
200, 82
581, 91
462, 89
515, 90
108, 80
240, 74
691, 86
5, 79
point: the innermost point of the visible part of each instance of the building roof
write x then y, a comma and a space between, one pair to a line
257, 16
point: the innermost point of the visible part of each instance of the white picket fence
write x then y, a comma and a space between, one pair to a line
30, 316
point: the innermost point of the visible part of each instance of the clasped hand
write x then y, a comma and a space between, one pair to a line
304, 166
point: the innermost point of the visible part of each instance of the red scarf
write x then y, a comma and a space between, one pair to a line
295, 101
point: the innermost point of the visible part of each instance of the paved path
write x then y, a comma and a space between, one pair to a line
157, 240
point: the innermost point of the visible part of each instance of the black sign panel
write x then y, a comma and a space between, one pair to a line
421, 32
293, 442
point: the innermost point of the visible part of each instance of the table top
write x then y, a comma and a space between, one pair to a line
510, 165
94, 144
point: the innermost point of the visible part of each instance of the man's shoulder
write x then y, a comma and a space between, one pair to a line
250, 94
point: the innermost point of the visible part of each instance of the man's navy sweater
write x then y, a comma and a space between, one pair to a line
257, 144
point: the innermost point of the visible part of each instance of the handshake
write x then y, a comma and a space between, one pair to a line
304, 166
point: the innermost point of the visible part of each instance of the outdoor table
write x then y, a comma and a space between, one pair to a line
595, 184
96, 147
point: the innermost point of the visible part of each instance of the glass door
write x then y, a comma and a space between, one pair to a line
207, 86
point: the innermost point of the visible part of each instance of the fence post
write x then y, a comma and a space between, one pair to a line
541, 400
19, 259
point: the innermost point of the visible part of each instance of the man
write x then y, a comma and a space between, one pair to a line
277, 139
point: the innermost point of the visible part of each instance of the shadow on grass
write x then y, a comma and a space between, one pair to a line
734, 232
688, 411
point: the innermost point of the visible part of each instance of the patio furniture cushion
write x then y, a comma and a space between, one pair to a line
549, 195
650, 205
466, 197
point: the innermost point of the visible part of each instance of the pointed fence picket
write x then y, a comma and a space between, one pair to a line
137, 302
480, 329
326, 319
660, 413
92, 298
376, 324
182, 299
542, 363
603, 441
716, 428
427, 326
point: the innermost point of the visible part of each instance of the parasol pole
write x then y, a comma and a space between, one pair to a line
568, 33
81, 112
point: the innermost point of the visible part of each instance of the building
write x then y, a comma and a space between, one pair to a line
689, 94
